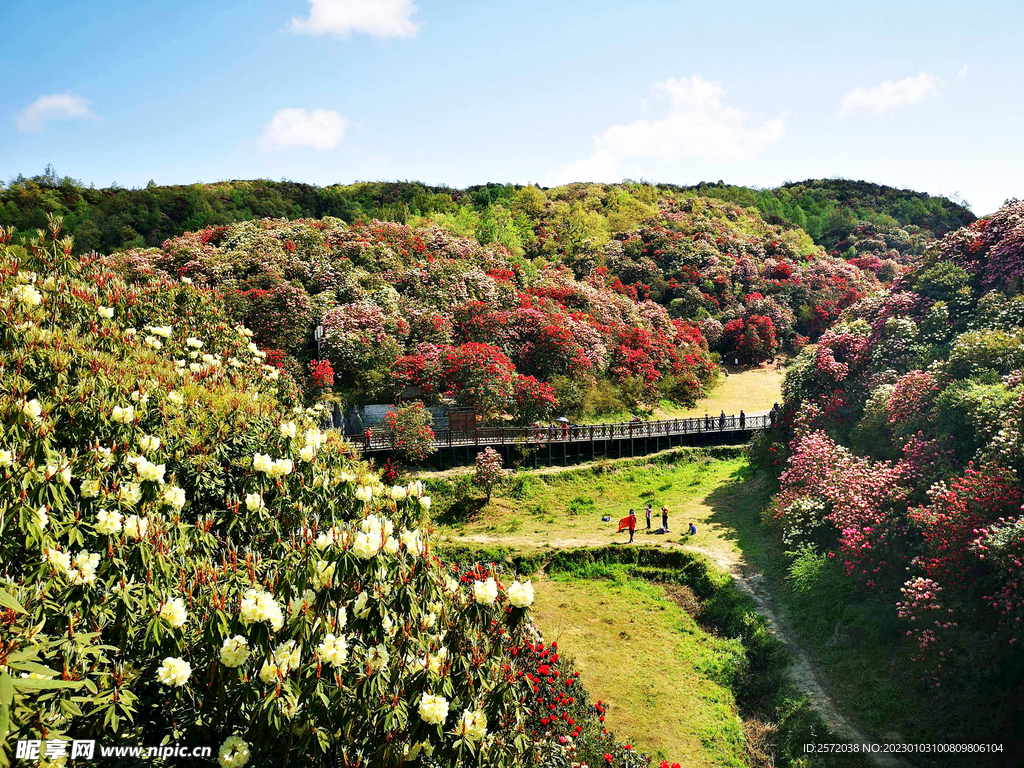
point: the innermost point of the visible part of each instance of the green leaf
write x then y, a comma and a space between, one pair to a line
6, 689
7, 601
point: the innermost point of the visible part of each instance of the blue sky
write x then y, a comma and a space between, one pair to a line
922, 95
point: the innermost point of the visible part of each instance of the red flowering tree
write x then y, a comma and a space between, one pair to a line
411, 434
478, 375
751, 339
533, 400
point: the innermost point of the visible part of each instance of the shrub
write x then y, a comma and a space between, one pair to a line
411, 433
489, 473
187, 558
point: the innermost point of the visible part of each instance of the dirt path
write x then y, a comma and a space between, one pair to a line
803, 672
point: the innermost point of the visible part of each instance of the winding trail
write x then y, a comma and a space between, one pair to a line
805, 675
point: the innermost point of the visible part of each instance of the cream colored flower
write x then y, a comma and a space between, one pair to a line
433, 709
124, 415
234, 752
366, 546
234, 652
485, 592
174, 612
333, 650
149, 442
323, 575
307, 453
136, 527
174, 672
254, 501
378, 657
288, 429
108, 523
42, 518
194, 342
361, 607
520, 594
33, 410
90, 489
258, 605
473, 725
173, 496
6, 458
28, 295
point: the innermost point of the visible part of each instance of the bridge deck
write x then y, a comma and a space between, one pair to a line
383, 442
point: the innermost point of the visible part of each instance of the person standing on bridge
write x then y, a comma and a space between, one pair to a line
743, 420
369, 436
721, 421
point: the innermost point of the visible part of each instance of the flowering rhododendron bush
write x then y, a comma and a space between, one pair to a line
907, 453
421, 312
705, 259
187, 558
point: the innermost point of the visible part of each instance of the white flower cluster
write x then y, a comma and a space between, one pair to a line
33, 410
108, 523
174, 612
174, 672
234, 652
173, 496
485, 592
136, 527
287, 657
520, 594
147, 470
80, 570
28, 295
261, 462
333, 650
258, 605
234, 752
125, 415
473, 725
433, 709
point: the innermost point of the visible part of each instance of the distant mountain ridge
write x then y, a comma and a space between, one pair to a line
839, 215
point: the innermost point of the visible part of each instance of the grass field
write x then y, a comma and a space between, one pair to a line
564, 509
657, 670
748, 389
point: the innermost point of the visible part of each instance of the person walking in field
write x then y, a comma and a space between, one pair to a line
664, 518
647, 512
629, 521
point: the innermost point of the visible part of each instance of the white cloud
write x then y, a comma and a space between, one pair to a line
962, 73
889, 95
600, 166
316, 128
379, 18
697, 124
57, 106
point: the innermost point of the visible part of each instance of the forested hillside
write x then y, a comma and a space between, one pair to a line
838, 214
903, 489
586, 321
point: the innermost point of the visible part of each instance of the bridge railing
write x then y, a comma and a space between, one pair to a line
382, 440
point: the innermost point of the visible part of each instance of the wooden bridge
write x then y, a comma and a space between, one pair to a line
565, 444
